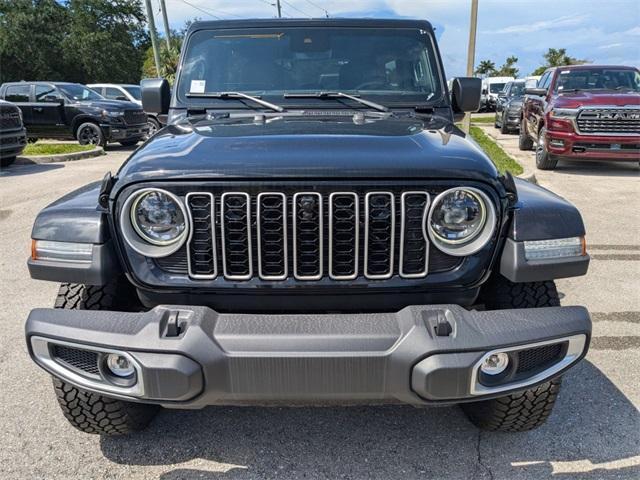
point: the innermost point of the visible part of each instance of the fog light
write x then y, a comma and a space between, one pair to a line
120, 365
556, 143
495, 363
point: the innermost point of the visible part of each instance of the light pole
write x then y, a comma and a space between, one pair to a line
279, 8
154, 38
471, 53
165, 19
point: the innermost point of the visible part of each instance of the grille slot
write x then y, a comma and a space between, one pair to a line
9, 118
271, 220
344, 235
79, 359
235, 222
539, 357
609, 121
379, 235
307, 236
201, 258
414, 247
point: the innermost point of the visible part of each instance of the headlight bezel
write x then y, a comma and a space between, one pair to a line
473, 243
135, 237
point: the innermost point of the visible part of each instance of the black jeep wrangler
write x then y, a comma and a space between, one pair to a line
71, 111
311, 227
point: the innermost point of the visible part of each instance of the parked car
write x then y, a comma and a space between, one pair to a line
13, 135
303, 245
491, 87
509, 106
130, 93
582, 112
73, 111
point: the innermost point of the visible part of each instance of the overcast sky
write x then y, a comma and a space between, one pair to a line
603, 31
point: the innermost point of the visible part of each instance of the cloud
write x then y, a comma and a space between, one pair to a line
560, 22
633, 31
611, 45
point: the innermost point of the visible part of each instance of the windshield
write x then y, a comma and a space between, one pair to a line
517, 89
270, 62
598, 79
496, 87
78, 92
134, 92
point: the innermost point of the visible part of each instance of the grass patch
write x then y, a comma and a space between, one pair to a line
485, 119
503, 162
33, 149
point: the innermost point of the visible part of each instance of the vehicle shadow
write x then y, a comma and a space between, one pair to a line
28, 169
598, 168
592, 434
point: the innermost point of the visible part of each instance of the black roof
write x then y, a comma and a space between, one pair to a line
310, 22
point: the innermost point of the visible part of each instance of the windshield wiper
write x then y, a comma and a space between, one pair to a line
362, 101
236, 95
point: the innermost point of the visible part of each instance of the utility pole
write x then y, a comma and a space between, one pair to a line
471, 54
154, 38
167, 32
279, 8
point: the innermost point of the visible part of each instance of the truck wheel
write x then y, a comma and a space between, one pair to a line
517, 412
503, 126
544, 160
6, 161
90, 134
530, 408
92, 412
153, 125
524, 142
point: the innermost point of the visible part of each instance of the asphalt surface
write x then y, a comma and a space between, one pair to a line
594, 432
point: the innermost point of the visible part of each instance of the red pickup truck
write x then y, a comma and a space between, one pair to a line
583, 112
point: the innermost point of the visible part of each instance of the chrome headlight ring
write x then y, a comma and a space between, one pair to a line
477, 240
137, 240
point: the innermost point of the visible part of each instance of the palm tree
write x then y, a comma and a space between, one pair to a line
485, 68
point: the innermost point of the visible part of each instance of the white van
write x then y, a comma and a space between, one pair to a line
491, 87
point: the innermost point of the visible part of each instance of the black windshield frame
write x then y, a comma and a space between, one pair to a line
438, 97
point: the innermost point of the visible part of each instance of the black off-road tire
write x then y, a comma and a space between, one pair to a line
524, 142
154, 126
92, 412
504, 129
544, 160
530, 408
518, 412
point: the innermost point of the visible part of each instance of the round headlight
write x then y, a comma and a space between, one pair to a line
461, 221
158, 217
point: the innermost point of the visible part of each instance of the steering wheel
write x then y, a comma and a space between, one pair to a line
372, 84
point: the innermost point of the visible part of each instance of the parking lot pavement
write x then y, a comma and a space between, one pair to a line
594, 432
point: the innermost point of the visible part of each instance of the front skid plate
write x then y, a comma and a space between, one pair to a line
315, 358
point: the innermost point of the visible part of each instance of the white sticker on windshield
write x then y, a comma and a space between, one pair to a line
565, 71
197, 86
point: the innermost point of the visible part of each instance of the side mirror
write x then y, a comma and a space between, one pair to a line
466, 94
53, 99
156, 95
540, 92
484, 91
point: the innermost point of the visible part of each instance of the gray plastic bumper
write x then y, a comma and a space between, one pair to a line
194, 356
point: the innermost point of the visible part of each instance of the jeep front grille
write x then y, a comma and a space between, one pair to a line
609, 121
9, 119
307, 236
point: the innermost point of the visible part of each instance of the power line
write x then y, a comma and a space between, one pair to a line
202, 10
318, 7
296, 9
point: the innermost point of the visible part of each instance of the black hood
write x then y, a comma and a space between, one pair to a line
307, 147
110, 104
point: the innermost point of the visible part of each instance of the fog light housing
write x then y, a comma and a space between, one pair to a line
495, 364
555, 248
119, 365
556, 143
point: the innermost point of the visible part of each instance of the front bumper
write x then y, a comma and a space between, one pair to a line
13, 143
190, 357
116, 133
596, 147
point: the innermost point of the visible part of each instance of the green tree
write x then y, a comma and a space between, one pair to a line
105, 41
486, 68
31, 37
169, 58
557, 57
508, 68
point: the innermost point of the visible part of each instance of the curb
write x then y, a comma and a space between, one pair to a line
60, 157
528, 177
